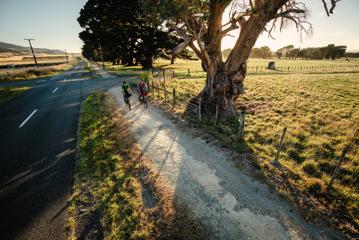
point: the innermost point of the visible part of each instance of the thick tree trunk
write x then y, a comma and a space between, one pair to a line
224, 82
173, 59
147, 63
223, 89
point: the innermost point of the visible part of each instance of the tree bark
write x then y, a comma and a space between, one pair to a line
224, 81
173, 59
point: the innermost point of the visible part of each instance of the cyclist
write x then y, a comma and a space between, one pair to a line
142, 90
126, 91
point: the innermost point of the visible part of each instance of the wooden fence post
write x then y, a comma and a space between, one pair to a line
200, 109
345, 151
188, 72
216, 116
164, 85
241, 125
153, 89
157, 86
174, 96
280, 144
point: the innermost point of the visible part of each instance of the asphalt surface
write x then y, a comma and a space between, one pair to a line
37, 153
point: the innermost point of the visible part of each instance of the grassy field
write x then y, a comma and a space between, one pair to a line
255, 66
321, 112
113, 195
8, 93
28, 59
31, 72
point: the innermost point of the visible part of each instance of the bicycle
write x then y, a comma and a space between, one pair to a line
143, 99
126, 98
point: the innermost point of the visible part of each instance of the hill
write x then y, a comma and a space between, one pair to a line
20, 50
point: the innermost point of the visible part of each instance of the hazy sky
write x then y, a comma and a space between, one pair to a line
53, 23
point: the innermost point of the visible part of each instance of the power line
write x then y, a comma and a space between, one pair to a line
32, 50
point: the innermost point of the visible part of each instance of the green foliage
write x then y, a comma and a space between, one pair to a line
262, 52
123, 30
146, 76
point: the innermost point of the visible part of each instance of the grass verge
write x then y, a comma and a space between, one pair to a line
114, 194
8, 93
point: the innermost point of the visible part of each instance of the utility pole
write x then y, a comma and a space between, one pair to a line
103, 65
67, 58
32, 50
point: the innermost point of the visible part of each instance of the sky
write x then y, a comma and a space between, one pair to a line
53, 24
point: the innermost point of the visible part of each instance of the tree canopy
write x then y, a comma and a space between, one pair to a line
123, 30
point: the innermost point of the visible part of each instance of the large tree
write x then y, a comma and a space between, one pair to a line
124, 31
199, 24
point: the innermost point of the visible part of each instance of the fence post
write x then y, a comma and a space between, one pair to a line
345, 151
153, 89
200, 109
241, 125
174, 96
216, 116
188, 72
257, 69
164, 85
157, 86
280, 145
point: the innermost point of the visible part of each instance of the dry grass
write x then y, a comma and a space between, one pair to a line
28, 59
31, 72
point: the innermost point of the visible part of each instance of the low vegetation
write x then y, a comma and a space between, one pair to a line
321, 112
8, 93
114, 196
31, 73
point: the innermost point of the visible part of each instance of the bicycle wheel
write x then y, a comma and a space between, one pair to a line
145, 101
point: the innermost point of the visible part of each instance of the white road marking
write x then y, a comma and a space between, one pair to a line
41, 81
27, 119
54, 91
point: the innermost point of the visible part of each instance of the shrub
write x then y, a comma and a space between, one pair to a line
146, 76
311, 168
293, 154
315, 186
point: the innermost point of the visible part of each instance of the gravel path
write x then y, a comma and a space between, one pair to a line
230, 203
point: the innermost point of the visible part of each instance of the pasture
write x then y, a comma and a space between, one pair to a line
319, 107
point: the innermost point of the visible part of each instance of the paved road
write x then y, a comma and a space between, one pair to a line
37, 153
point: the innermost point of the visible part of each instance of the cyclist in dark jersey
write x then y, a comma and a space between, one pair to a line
126, 91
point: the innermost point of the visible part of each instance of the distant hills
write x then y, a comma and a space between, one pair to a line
20, 50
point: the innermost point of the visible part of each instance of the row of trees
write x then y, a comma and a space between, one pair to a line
290, 52
138, 29
329, 52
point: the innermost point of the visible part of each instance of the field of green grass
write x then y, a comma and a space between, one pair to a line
321, 112
8, 93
